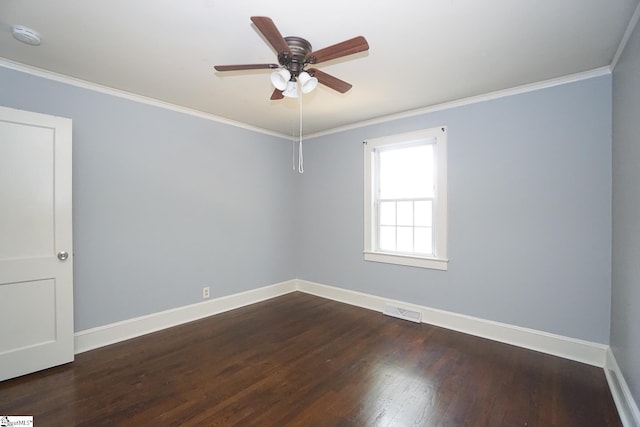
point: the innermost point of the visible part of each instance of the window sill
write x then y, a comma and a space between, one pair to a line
412, 261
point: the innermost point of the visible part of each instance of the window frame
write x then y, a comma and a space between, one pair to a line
438, 137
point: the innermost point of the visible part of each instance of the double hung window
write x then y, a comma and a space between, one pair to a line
405, 199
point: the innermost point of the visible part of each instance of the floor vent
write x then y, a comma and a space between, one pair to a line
402, 313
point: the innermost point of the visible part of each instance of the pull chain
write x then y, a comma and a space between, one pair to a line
300, 157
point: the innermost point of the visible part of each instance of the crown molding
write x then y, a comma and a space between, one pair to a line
6, 63
602, 71
625, 38
61, 78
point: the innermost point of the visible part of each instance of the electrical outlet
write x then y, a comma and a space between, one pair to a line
205, 292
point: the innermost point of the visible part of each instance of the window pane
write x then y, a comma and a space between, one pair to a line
407, 172
405, 204
423, 212
423, 240
405, 213
405, 239
388, 238
387, 213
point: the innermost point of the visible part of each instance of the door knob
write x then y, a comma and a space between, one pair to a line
62, 255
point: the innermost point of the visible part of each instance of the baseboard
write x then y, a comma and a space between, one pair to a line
627, 407
90, 339
557, 345
569, 348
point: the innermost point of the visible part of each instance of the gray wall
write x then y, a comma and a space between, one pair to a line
625, 295
529, 212
164, 203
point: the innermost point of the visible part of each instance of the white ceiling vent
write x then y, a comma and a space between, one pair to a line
25, 35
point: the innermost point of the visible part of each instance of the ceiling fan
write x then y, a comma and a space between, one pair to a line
294, 55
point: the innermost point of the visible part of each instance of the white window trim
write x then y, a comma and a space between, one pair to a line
440, 260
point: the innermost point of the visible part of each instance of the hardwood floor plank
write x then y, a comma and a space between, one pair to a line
300, 360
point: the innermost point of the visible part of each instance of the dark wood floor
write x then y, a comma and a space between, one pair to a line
300, 360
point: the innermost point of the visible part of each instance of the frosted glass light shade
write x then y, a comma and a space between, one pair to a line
291, 91
307, 83
280, 78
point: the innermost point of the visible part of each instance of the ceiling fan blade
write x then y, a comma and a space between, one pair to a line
277, 94
330, 81
271, 33
338, 50
245, 67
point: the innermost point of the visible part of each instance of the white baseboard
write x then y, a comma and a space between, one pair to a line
627, 407
569, 348
90, 339
557, 345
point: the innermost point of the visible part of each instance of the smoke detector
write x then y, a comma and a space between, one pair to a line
25, 35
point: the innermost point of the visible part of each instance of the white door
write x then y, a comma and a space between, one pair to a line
36, 262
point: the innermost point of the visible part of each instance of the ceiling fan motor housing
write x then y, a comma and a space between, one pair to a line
295, 63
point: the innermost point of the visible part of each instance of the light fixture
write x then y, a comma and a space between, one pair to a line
307, 83
291, 91
286, 81
280, 78
25, 35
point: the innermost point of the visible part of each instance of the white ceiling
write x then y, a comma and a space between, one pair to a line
422, 53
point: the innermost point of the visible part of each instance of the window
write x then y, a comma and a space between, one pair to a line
406, 199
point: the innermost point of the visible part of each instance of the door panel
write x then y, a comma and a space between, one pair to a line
36, 287
26, 226
35, 301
